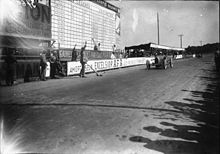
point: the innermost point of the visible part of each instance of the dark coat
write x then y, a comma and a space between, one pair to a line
74, 55
83, 57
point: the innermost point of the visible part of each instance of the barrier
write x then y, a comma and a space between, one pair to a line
179, 57
106, 64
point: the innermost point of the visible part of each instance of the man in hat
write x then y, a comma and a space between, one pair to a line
43, 66
83, 60
52, 61
10, 61
74, 54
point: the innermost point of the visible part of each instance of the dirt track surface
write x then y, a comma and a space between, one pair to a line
126, 111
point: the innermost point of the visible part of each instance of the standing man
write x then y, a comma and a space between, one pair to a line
99, 47
58, 64
10, 61
113, 52
114, 48
43, 66
96, 47
74, 54
113, 55
121, 55
83, 60
52, 65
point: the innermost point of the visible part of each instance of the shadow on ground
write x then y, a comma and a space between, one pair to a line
203, 109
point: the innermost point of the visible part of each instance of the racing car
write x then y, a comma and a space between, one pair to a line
160, 61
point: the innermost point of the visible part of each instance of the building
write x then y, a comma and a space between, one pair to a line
67, 22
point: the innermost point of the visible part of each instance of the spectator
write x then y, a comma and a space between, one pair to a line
113, 55
74, 54
52, 61
43, 66
96, 47
58, 64
120, 55
126, 54
10, 61
114, 48
83, 60
99, 47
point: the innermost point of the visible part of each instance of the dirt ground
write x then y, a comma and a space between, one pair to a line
126, 111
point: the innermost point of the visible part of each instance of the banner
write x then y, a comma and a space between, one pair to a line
117, 24
21, 20
75, 67
100, 65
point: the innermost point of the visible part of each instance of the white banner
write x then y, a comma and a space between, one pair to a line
179, 56
48, 70
75, 67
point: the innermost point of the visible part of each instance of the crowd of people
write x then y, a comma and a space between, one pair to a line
52, 58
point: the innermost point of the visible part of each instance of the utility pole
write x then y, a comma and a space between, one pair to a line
181, 35
200, 43
158, 31
201, 48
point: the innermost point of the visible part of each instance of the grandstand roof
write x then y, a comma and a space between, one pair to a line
153, 45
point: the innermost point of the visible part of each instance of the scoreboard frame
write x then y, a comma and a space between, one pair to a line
82, 21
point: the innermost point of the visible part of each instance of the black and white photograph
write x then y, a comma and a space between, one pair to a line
109, 77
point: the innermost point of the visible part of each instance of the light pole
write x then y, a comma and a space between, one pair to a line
181, 35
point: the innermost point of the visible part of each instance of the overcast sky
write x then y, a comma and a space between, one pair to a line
196, 20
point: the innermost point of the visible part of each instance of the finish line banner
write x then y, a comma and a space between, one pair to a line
100, 65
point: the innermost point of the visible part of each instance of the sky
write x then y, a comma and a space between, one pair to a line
198, 21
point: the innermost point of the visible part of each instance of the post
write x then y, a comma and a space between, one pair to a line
158, 31
201, 48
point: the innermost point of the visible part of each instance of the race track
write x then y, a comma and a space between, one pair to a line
126, 111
